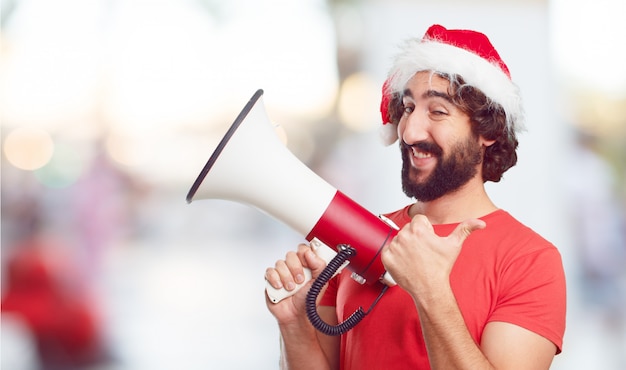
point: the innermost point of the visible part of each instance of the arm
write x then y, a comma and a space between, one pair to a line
302, 347
503, 346
421, 262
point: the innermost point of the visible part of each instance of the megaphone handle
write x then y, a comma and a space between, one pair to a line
322, 251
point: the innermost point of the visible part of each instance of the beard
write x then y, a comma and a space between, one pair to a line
450, 173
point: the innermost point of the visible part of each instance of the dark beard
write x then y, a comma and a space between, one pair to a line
449, 174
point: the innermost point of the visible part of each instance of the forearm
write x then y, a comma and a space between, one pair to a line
300, 348
448, 341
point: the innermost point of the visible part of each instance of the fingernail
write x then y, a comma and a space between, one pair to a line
291, 286
299, 278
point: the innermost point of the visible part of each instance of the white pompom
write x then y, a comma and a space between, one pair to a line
388, 133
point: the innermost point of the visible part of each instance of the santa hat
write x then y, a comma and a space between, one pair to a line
465, 53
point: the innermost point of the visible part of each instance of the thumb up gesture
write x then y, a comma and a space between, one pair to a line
419, 260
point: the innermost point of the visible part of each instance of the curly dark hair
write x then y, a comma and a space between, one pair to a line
488, 120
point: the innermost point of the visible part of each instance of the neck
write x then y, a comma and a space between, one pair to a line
469, 201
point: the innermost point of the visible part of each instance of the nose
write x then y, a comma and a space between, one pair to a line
414, 128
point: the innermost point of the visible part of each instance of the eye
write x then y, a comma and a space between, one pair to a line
407, 109
438, 110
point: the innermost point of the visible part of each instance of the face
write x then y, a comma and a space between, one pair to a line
439, 152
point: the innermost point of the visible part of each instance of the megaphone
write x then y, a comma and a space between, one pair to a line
252, 166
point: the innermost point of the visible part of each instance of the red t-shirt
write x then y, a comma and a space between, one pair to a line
505, 272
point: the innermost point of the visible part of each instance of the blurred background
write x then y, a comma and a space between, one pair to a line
109, 109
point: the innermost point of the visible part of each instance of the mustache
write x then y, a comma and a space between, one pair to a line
424, 146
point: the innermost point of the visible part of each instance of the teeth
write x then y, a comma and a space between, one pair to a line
418, 154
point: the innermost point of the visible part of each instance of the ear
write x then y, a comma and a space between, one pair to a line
484, 142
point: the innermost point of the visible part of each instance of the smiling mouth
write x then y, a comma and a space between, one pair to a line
420, 154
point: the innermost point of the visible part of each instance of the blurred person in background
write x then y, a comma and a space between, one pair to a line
476, 289
43, 289
599, 225
52, 261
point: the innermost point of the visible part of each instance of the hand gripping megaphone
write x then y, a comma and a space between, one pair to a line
252, 166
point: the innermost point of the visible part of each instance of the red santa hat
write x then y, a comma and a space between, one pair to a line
465, 53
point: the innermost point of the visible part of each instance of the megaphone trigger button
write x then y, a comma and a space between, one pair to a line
315, 243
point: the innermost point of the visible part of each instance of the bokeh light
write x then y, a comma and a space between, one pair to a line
65, 167
28, 148
128, 150
358, 102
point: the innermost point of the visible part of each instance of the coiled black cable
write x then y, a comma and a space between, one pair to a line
345, 252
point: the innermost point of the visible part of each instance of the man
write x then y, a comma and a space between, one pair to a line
476, 289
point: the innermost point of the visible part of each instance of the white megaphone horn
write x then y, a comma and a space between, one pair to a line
252, 166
